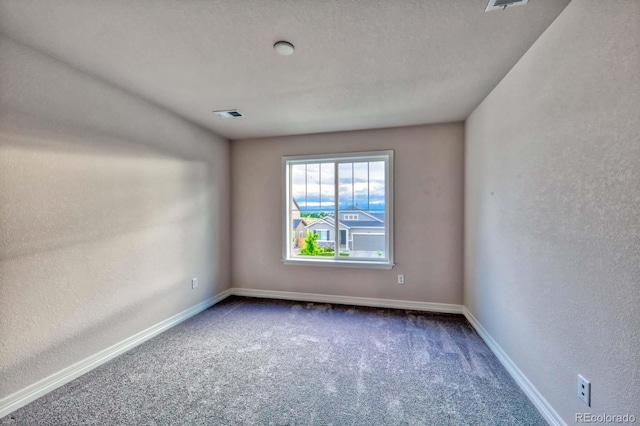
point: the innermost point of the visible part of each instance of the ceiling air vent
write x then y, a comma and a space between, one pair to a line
229, 113
503, 4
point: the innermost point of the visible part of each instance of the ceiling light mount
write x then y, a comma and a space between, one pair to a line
284, 47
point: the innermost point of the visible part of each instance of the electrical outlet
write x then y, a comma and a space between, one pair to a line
584, 390
400, 279
194, 282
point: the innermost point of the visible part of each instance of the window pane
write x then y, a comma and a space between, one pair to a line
345, 176
377, 186
313, 187
298, 184
362, 210
361, 185
313, 190
327, 187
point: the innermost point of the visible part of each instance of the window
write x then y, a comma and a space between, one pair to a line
355, 189
323, 234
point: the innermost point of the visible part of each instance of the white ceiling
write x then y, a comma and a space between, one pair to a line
358, 63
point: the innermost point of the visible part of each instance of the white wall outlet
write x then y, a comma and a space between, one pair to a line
194, 282
400, 279
584, 390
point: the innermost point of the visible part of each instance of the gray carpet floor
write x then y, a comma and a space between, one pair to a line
252, 361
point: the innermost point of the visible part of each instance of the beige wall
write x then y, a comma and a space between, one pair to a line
428, 215
108, 207
552, 228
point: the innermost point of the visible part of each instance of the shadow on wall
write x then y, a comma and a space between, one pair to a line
58, 193
96, 235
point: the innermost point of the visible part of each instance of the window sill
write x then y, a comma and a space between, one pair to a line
339, 264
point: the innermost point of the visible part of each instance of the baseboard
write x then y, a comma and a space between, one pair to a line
46, 385
545, 409
349, 300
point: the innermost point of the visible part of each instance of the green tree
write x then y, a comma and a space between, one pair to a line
310, 244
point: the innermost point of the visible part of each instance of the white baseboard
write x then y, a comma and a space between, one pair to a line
545, 409
46, 385
348, 300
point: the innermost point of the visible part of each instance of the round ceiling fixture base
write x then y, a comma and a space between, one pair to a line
284, 48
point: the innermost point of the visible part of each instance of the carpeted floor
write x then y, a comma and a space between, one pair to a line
258, 362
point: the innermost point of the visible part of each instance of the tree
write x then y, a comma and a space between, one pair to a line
310, 245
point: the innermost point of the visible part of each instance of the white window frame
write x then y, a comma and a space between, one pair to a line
382, 263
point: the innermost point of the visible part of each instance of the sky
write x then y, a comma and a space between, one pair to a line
361, 184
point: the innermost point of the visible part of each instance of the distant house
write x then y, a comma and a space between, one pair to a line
299, 232
299, 226
358, 231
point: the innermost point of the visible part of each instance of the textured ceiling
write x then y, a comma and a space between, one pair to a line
358, 63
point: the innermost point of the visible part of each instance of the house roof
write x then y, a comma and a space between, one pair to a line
296, 222
375, 216
363, 223
378, 215
328, 220
349, 224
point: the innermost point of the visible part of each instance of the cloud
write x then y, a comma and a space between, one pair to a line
360, 183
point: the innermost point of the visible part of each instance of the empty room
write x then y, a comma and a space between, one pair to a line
319, 212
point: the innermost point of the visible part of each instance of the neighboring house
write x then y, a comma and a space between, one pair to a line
359, 231
299, 232
325, 228
299, 226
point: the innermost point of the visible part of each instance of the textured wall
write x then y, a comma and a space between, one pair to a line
108, 206
428, 214
552, 220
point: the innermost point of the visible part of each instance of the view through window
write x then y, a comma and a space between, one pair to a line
338, 208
